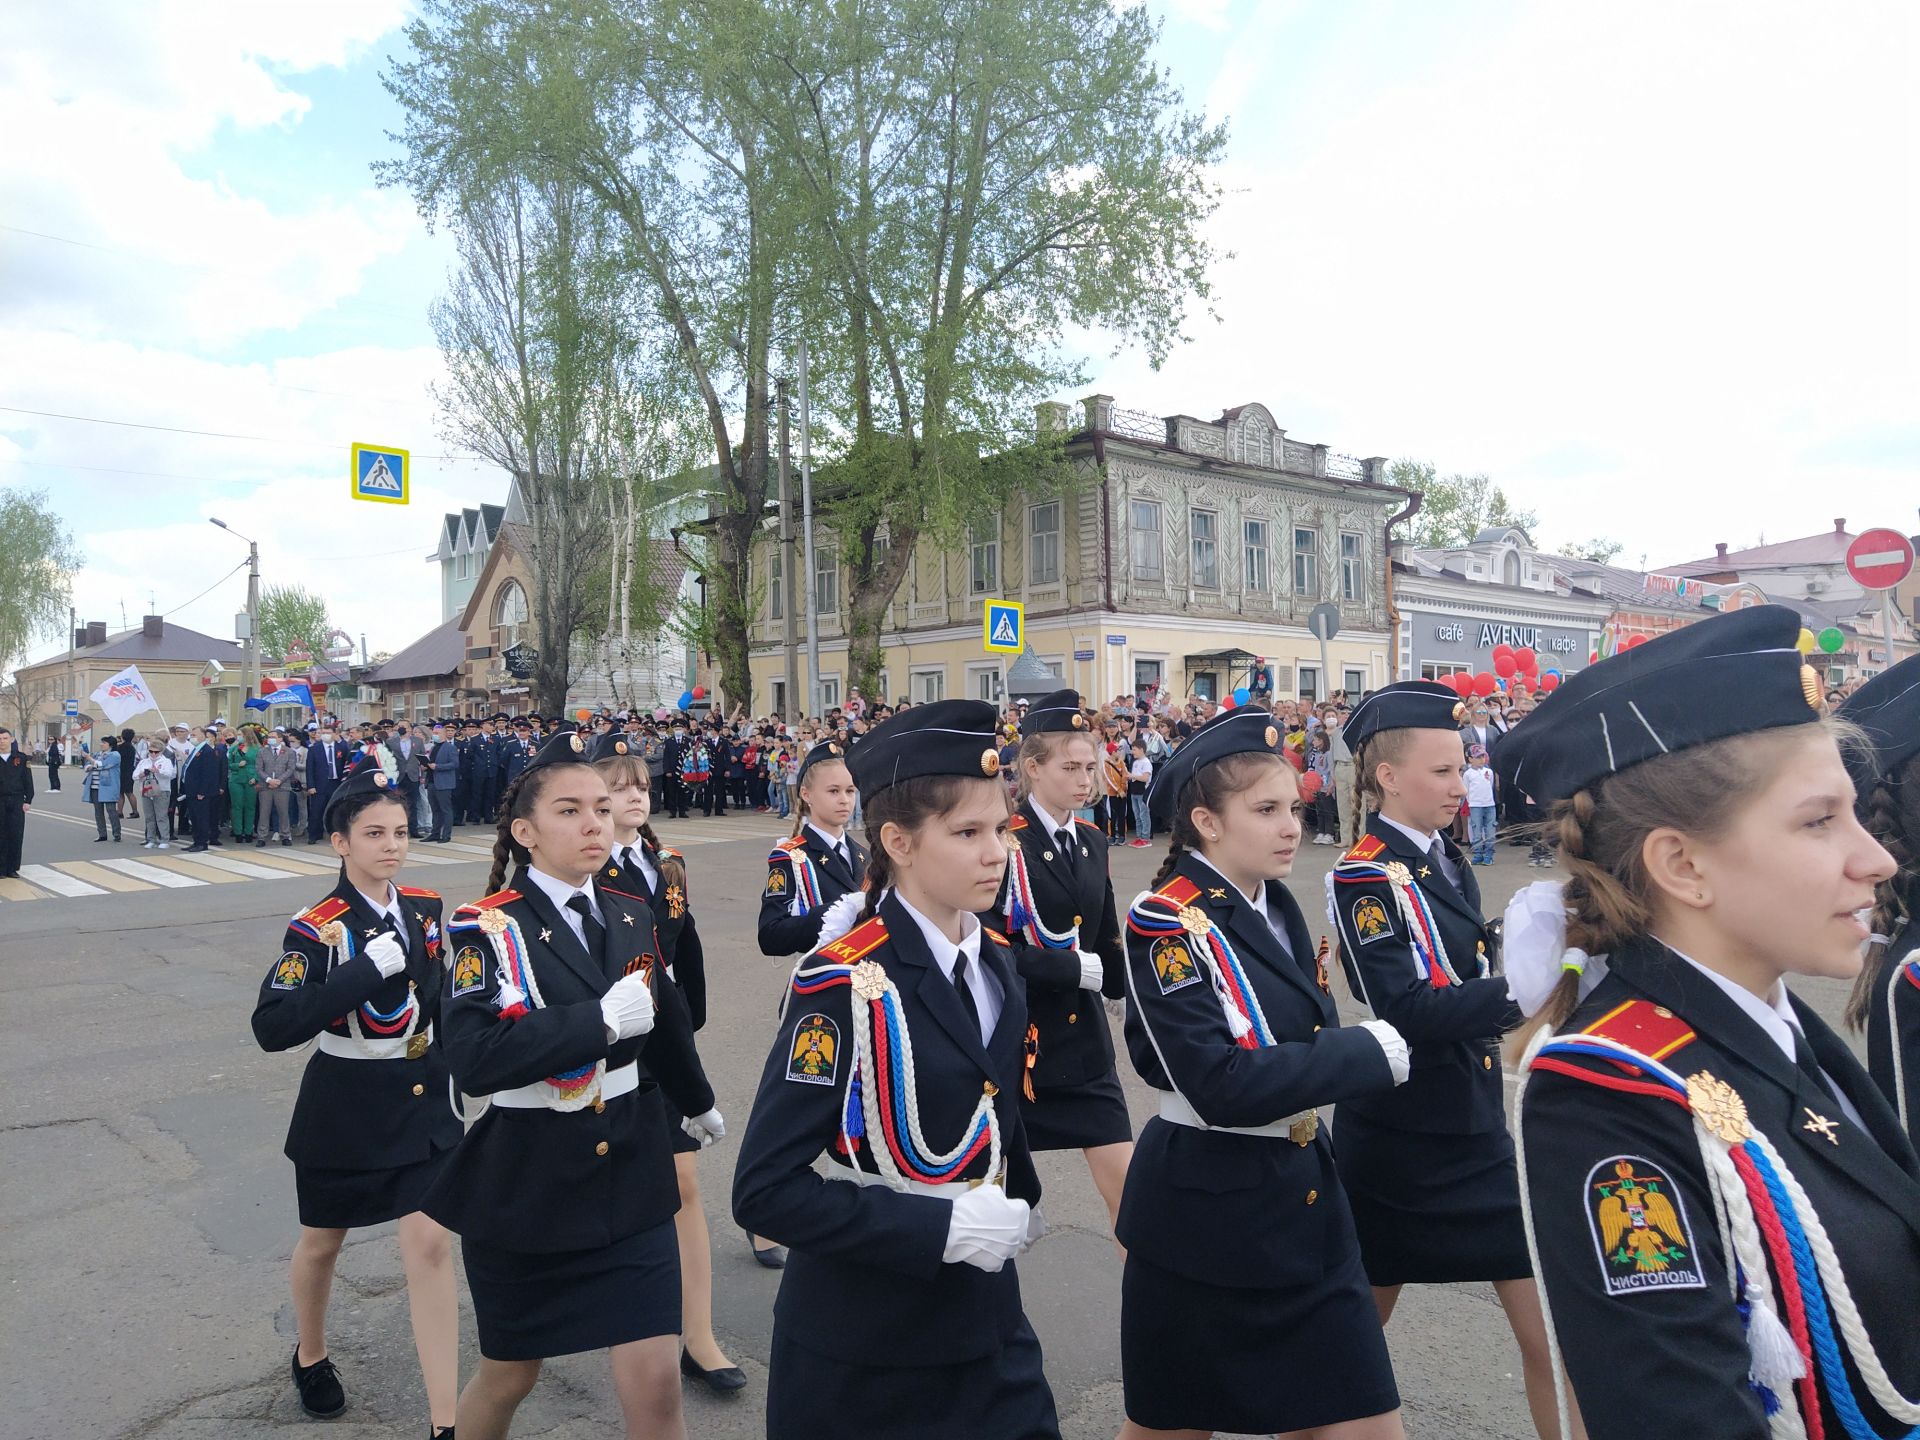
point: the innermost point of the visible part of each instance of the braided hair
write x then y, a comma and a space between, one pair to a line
1891, 813
516, 803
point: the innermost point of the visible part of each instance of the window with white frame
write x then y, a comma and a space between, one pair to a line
1143, 539
776, 582
1354, 681
1255, 537
826, 581
778, 697
1310, 684
829, 692
1306, 562
1204, 535
1043, 543
1353, 581
929, 685
509, 612
985, 683
983, 572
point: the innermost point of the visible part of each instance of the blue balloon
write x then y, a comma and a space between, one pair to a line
1240, 695
686, 700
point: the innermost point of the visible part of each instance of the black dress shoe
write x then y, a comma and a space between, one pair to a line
726, 1380
319, 1385
439, 1432
774, 1257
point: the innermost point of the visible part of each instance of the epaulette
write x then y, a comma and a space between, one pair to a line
491, 902
1159, 912
994, 935
1018, 822
783, 848
1629, 1038
415, 892
1653, 1030
624, 895
1180, 890
1368, 848
1081, 820
856, 944
308, 922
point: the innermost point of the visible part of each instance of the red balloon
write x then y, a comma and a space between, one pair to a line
1485, 684
1226, 702
1504, 666
1526, 660
699, 692
1549, 683
1500, 651
1593, 657
1636, 642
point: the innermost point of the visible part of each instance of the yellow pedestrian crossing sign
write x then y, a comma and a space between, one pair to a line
1004, 626
379, 473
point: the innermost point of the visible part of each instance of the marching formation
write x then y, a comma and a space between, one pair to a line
1694, 1206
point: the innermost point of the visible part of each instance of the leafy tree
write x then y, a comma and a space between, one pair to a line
38, 558
289, 613
1601, 549
1457, 507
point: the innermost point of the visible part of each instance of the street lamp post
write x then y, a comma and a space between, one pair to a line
253, 611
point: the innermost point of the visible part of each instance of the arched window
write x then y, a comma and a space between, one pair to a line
1510, 568
510, 612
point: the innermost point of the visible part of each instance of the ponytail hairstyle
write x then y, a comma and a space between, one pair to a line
1039, 747
908, 804
1209, 789
800, 790
516, 803
1602, 833
1891, 813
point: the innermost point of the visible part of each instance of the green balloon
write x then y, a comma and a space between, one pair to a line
1831, 639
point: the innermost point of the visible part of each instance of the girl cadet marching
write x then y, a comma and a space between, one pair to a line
1886, 997
1244, 1305
1429, 1167
563, 1192
638, 866
898, 1059
1058, 905
360, 973
1726, 1213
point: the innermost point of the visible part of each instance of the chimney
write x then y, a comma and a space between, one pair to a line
1840, 526
96, 632
1720, 549
1049, 419
151, 626
1099, 412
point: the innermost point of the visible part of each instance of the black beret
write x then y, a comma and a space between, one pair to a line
943, 737
825, 750
1404, 705
563, 747
1235, 732
1730, 675
611, 746
364, 777
1887, 707
1058, 711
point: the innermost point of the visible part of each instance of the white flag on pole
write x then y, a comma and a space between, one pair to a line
124, 695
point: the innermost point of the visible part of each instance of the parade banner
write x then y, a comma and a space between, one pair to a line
122, 696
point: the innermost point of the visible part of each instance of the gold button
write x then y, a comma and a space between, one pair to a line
1076, 919
601, 1148
1663, 1012
419, 1089
1312, 1195
1486, 1061
1316, 1029
599, 1107
989, 1089
1481, 946
1073, 1019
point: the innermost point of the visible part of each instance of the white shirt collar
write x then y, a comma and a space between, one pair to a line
826, 839
560, 892
937, 941
1053, 825
1774, 1014
1423, 840
636, 857
1258, 901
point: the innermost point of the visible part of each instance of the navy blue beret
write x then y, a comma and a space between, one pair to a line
944, 737
1058, 711
1887, 707
1237, 732
1405, 705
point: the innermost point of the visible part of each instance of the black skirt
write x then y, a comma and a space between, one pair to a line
1077, 1117
1432, 1209
349, 1199
1002, 1396
1195, 1356
531, 1307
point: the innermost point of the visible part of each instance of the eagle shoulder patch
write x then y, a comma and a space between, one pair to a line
469, 970
814, 1058
1173, 964
1640, 1231
776, 883
289, 971
1370, 922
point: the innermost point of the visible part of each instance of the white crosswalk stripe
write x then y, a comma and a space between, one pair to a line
152, 874
48, 878
237, 867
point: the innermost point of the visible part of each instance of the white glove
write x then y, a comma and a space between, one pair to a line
385, 952
987, 1229
627, 1007
1036, 1227
709, 1129
1093, 970
1394, 1044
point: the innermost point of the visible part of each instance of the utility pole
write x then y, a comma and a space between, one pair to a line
789, 597
814, 706
253, 609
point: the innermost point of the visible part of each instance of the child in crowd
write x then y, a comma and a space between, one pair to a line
1480, 804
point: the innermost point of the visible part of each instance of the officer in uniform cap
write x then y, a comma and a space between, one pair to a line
1726, 1212
1886, 777
1242, 1273
898, 1059
811, 869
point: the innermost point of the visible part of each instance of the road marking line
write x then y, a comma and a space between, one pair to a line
187, 865
438, 846
290, 863
11, 889
63, 819
47, 878
98, 875
153, 874
238, 867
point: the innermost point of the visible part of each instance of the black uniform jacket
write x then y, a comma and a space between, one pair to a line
781, 931
1674, 1330
545, 1180
1075, 1043
512, 759
16, 777
203, 776
359, 1114
1238, 1209
1454, 1033
864, 1281
1894, 1020
680, 947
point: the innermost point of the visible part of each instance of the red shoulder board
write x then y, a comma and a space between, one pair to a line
994, 935
1018, 822
1078, 820
792, 842
415, 892
1653, 1030
331, 908
493, 901
1369, 848
1180, 890
857, 943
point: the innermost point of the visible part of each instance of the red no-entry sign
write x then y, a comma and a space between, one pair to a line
1880, 559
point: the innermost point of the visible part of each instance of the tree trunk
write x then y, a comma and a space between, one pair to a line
869, 592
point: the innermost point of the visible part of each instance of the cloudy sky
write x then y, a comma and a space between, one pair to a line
1649, 265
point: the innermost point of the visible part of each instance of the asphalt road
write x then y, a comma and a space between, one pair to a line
146, 1212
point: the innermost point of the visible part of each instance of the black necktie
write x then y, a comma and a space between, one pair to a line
1064, 839
1437, 852
596, 932
1810, 1067
965, 990
845, 858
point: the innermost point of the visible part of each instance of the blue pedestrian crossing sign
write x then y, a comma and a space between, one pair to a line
1004, 627
379, 473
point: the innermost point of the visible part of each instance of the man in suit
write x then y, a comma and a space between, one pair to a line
443, 773
409, 761
326, 762
489, 748
200, 781
16, 798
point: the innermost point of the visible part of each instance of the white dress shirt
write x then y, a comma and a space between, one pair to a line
634, 857
1259, 902
390, 909
987, 998
560, 892
839, 847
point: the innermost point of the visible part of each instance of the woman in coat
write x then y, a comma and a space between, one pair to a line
103, 784
243, 770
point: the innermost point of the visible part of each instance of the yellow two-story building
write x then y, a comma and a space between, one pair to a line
1187, 551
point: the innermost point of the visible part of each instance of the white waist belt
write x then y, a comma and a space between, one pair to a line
1175, 1110
952, 1190
537, 1096
348, 1048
